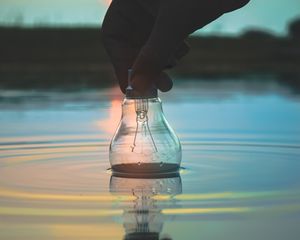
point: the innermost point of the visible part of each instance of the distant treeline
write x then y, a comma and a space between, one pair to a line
78, 53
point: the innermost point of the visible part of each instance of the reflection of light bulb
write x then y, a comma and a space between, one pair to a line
142, 219
144, 142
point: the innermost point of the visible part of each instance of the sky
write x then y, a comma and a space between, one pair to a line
270, 15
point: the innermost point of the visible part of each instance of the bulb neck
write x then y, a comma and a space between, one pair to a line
132, 107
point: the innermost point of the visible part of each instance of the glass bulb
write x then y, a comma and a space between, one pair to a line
144, 142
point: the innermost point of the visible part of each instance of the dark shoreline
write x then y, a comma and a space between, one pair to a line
47, 56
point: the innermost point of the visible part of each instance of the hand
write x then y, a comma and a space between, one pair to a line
148, 36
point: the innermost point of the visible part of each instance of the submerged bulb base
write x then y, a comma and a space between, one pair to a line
146, 169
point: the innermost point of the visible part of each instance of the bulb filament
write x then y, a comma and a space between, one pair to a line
141, 109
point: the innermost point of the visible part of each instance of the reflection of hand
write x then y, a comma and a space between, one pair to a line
148, 35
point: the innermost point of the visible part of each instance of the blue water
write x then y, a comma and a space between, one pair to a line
239, 177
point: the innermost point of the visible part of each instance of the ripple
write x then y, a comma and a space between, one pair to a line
67, 177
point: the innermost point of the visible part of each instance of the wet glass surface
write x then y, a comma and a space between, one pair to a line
239, 177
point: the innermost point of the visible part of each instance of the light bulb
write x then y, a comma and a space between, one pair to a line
144, 142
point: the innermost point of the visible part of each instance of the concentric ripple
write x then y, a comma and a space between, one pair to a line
70, 179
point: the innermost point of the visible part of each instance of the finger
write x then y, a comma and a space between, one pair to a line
175, 21
231, 5
125, 30
164, 83
126, 27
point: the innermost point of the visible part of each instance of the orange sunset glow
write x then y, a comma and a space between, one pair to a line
110, 123
106, 2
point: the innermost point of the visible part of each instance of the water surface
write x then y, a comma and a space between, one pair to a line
239, 177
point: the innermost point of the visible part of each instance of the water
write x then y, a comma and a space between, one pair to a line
239, 177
